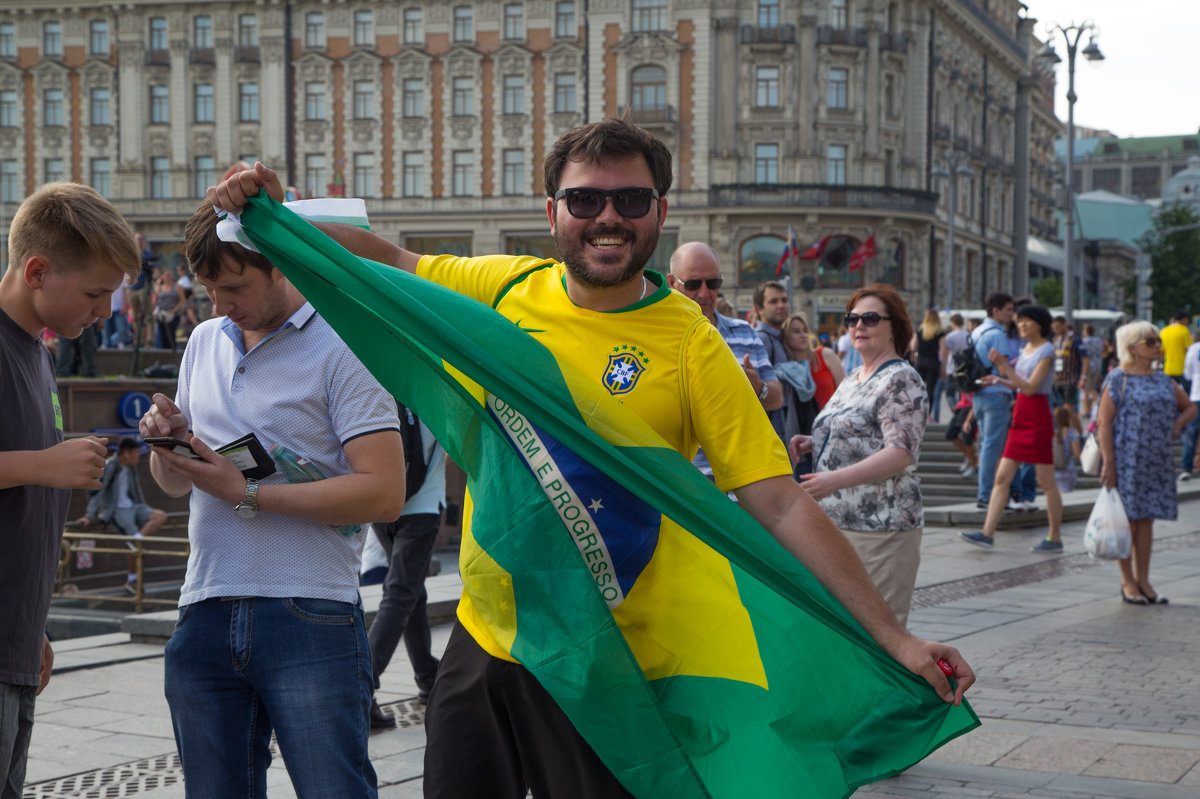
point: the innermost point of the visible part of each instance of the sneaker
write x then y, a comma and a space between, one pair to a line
1185, 476
978, 539
1014, 504
131, 587
379, 719
1029, 504
1046, 545
981, 505
970, 472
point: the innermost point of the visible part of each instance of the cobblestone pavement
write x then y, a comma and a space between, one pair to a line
1080, 695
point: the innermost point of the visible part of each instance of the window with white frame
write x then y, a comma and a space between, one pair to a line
766, 163
412, 98
158, 33
463, 24
52, 107
564, 93
202, 33
413, 33
54, 170
205, 103
8, 109
514, 94
100, 106
835, 160
838, 16
766, 87
768, 13
564, 19
206, 174
248, 102
462, 97
8, 40
102, 176
160, 104
314, 175
514, 171
839, 88
364, 99
98, 37
314, 101
247, 30
364, 174
413, 175
9, 187
160, 178
514, 21
648, 88
649, 15
52, 43
314, 30
463, 172
364, 28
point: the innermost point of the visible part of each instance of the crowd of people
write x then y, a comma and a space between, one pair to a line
820, 444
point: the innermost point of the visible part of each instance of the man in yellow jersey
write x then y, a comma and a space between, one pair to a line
1176, 338
492, 730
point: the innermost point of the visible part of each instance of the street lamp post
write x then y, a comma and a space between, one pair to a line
1071, 35
956, 165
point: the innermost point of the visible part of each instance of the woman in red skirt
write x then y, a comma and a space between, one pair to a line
1031, 436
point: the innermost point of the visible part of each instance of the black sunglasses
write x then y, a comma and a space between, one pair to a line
870, 318
631, 202
713, 283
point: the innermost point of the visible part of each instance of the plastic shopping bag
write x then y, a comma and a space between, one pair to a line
1107, 533
1089, 459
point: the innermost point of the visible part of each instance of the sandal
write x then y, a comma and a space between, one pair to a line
1157, 599
1140, 599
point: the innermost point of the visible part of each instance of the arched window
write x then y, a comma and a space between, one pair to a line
834, 267
648, 88
757, 259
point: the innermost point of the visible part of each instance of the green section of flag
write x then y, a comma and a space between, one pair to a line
837, 712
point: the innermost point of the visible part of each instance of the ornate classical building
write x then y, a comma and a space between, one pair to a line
829, 117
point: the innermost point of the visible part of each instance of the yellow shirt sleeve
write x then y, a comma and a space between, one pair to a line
483, 278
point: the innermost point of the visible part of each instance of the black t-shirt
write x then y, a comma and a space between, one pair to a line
31, 517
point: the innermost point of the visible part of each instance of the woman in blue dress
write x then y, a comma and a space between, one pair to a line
1141, 412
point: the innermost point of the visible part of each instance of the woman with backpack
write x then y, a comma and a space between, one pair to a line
927, 345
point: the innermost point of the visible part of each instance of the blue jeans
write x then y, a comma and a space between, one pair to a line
16, 728
236, 669
994, 416
1024, 484
1190, 435
116, 329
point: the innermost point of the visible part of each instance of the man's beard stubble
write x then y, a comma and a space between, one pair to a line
582, 271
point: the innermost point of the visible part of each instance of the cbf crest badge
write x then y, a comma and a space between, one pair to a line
625, 366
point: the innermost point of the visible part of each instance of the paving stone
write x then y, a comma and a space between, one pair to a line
1059, 756
1145, 763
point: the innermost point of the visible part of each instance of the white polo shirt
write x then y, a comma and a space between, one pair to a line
300, 387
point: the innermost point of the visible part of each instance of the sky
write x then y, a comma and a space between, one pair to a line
1148, 83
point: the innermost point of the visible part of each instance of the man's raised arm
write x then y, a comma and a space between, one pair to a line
232, 192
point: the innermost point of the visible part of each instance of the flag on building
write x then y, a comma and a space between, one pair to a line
864, 251
731, 663
816, 250
792, 248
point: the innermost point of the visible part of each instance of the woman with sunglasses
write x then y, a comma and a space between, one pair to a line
1142, 411
865, 444
808, 379
1031, 435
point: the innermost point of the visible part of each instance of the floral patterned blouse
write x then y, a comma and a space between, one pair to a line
888, 410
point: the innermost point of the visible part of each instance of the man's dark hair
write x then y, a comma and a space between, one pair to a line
1060, 318
206, 253
1180, 316
760, 291
127, 444
995, 301
610, 138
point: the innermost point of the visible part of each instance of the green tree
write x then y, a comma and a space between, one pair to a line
1175, 262
1048, 291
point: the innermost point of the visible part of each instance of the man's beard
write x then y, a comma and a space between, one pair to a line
572, 252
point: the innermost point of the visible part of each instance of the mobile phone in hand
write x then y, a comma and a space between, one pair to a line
176, 445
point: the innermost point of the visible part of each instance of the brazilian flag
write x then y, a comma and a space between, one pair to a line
760, 681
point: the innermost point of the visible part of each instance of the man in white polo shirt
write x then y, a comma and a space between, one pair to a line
270, 633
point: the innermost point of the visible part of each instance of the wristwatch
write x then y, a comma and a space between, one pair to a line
248, 507
762, 392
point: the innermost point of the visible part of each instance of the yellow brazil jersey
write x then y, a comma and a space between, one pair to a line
1176, 338
659, 357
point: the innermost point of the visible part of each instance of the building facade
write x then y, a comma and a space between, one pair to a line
1137, 167
827, 117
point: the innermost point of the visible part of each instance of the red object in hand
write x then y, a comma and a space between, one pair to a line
946, 668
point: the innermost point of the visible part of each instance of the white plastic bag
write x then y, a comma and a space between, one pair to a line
1089, 459
1107, 533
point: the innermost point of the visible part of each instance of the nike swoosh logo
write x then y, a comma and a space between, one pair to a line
528, 329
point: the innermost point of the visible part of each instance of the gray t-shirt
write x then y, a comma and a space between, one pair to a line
1028, 361
33, 516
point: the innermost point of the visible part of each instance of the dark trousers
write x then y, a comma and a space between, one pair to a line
77, 356
492, 732
408, 542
